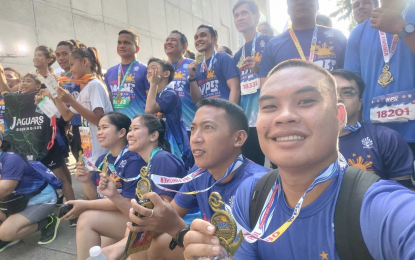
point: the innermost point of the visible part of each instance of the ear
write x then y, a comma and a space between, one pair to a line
341, 116
240, 138
38, 87
360, 104
137, 49
154, 136
185, 48
215, 40
166, 74
85, 61
122, 132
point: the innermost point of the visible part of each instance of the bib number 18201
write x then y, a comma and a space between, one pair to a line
393, 112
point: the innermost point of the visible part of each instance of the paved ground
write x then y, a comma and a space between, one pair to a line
63, 248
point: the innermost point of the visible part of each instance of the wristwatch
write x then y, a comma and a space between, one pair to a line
178, 241
191, 80
408, 29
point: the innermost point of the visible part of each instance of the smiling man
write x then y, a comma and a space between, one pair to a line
373, 148
174, 47
217, 75
298, 126
218, 132
127, 81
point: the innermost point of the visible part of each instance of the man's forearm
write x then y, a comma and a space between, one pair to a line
151, 104
234, 96
410, 41
195, 93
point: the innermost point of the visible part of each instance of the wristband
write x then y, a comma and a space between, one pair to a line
178, 241
191, 80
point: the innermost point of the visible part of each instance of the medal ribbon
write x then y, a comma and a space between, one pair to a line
270, 204
161, 180
84, 80
253, 47
387, 55
121, 85
353, 128
203, 67
179, 63
298, 45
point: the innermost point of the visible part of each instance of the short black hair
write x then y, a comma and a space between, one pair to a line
191, 54
296, 63
18, 76
165, 65
269, 27
324, 20
251, 4
134, 35
212, 31
227, 50
48, 52
72, 44
350, 76
183, 38
234, 113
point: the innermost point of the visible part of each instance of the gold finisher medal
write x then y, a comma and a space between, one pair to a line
118, 98
81, 157
200, 56
386, 77
241, 61
143, 185
225, 225
105, 166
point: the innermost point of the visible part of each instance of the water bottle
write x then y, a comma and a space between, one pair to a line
95, 254
222, 256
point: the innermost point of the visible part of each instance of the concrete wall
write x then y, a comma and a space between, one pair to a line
97, 23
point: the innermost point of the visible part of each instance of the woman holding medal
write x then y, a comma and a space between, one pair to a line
121, 166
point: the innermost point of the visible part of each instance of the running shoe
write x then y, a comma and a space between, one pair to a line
48, 234
4, 245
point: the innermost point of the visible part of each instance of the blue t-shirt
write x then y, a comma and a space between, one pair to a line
330, 49
128, 166
74, 89
166, 164
249, 103
387, 216
378, 149
14, 167
213, 82
176, 134
182, 86
226, 190
135, 86
364, 57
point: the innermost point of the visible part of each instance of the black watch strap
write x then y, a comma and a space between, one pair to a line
178, 241
193, 79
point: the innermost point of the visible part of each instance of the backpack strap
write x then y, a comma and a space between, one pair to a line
260, 194
348, 234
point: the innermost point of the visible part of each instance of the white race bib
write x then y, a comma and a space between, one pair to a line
393, 108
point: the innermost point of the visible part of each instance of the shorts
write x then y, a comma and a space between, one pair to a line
76, 142
54, 159
36, 213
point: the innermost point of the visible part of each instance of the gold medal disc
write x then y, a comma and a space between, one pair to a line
241, 61
386, 77
143, 185
118, 98
200, 56
81, 157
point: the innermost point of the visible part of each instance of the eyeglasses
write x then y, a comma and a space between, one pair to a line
347, 93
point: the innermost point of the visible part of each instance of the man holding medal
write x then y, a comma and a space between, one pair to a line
389, 70
298, 126
218, 133
305, 40
248, 59
127, 81
212, 74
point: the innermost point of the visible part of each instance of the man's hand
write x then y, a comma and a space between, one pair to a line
192, 67
82, 173
64, 95
388, 21
164, 218
155, 78
107, 186
250, 63
79, 206
200, 241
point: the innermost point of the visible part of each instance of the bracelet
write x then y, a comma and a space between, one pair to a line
191, 80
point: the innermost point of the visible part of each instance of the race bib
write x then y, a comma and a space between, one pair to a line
249, 82
123, 101
396, 107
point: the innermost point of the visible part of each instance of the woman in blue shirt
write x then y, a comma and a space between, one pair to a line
22, 217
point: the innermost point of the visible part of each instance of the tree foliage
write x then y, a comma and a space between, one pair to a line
344, 12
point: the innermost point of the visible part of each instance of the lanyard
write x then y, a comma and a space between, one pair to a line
179, 63
116, 160
161, 180
387, 55
270, 204
121, 85
203, 66
84, 80
298, 45
353, 128
253, 47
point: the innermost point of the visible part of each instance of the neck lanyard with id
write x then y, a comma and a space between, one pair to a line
203, 67
386, 77
298, 45
122, 100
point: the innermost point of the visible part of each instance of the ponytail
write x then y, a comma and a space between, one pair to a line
155, 124
92, 55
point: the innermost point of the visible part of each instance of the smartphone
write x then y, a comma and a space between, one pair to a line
64, 209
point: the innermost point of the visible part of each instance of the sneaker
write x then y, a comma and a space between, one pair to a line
48, 234
73, 222
4, 245
59, 202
